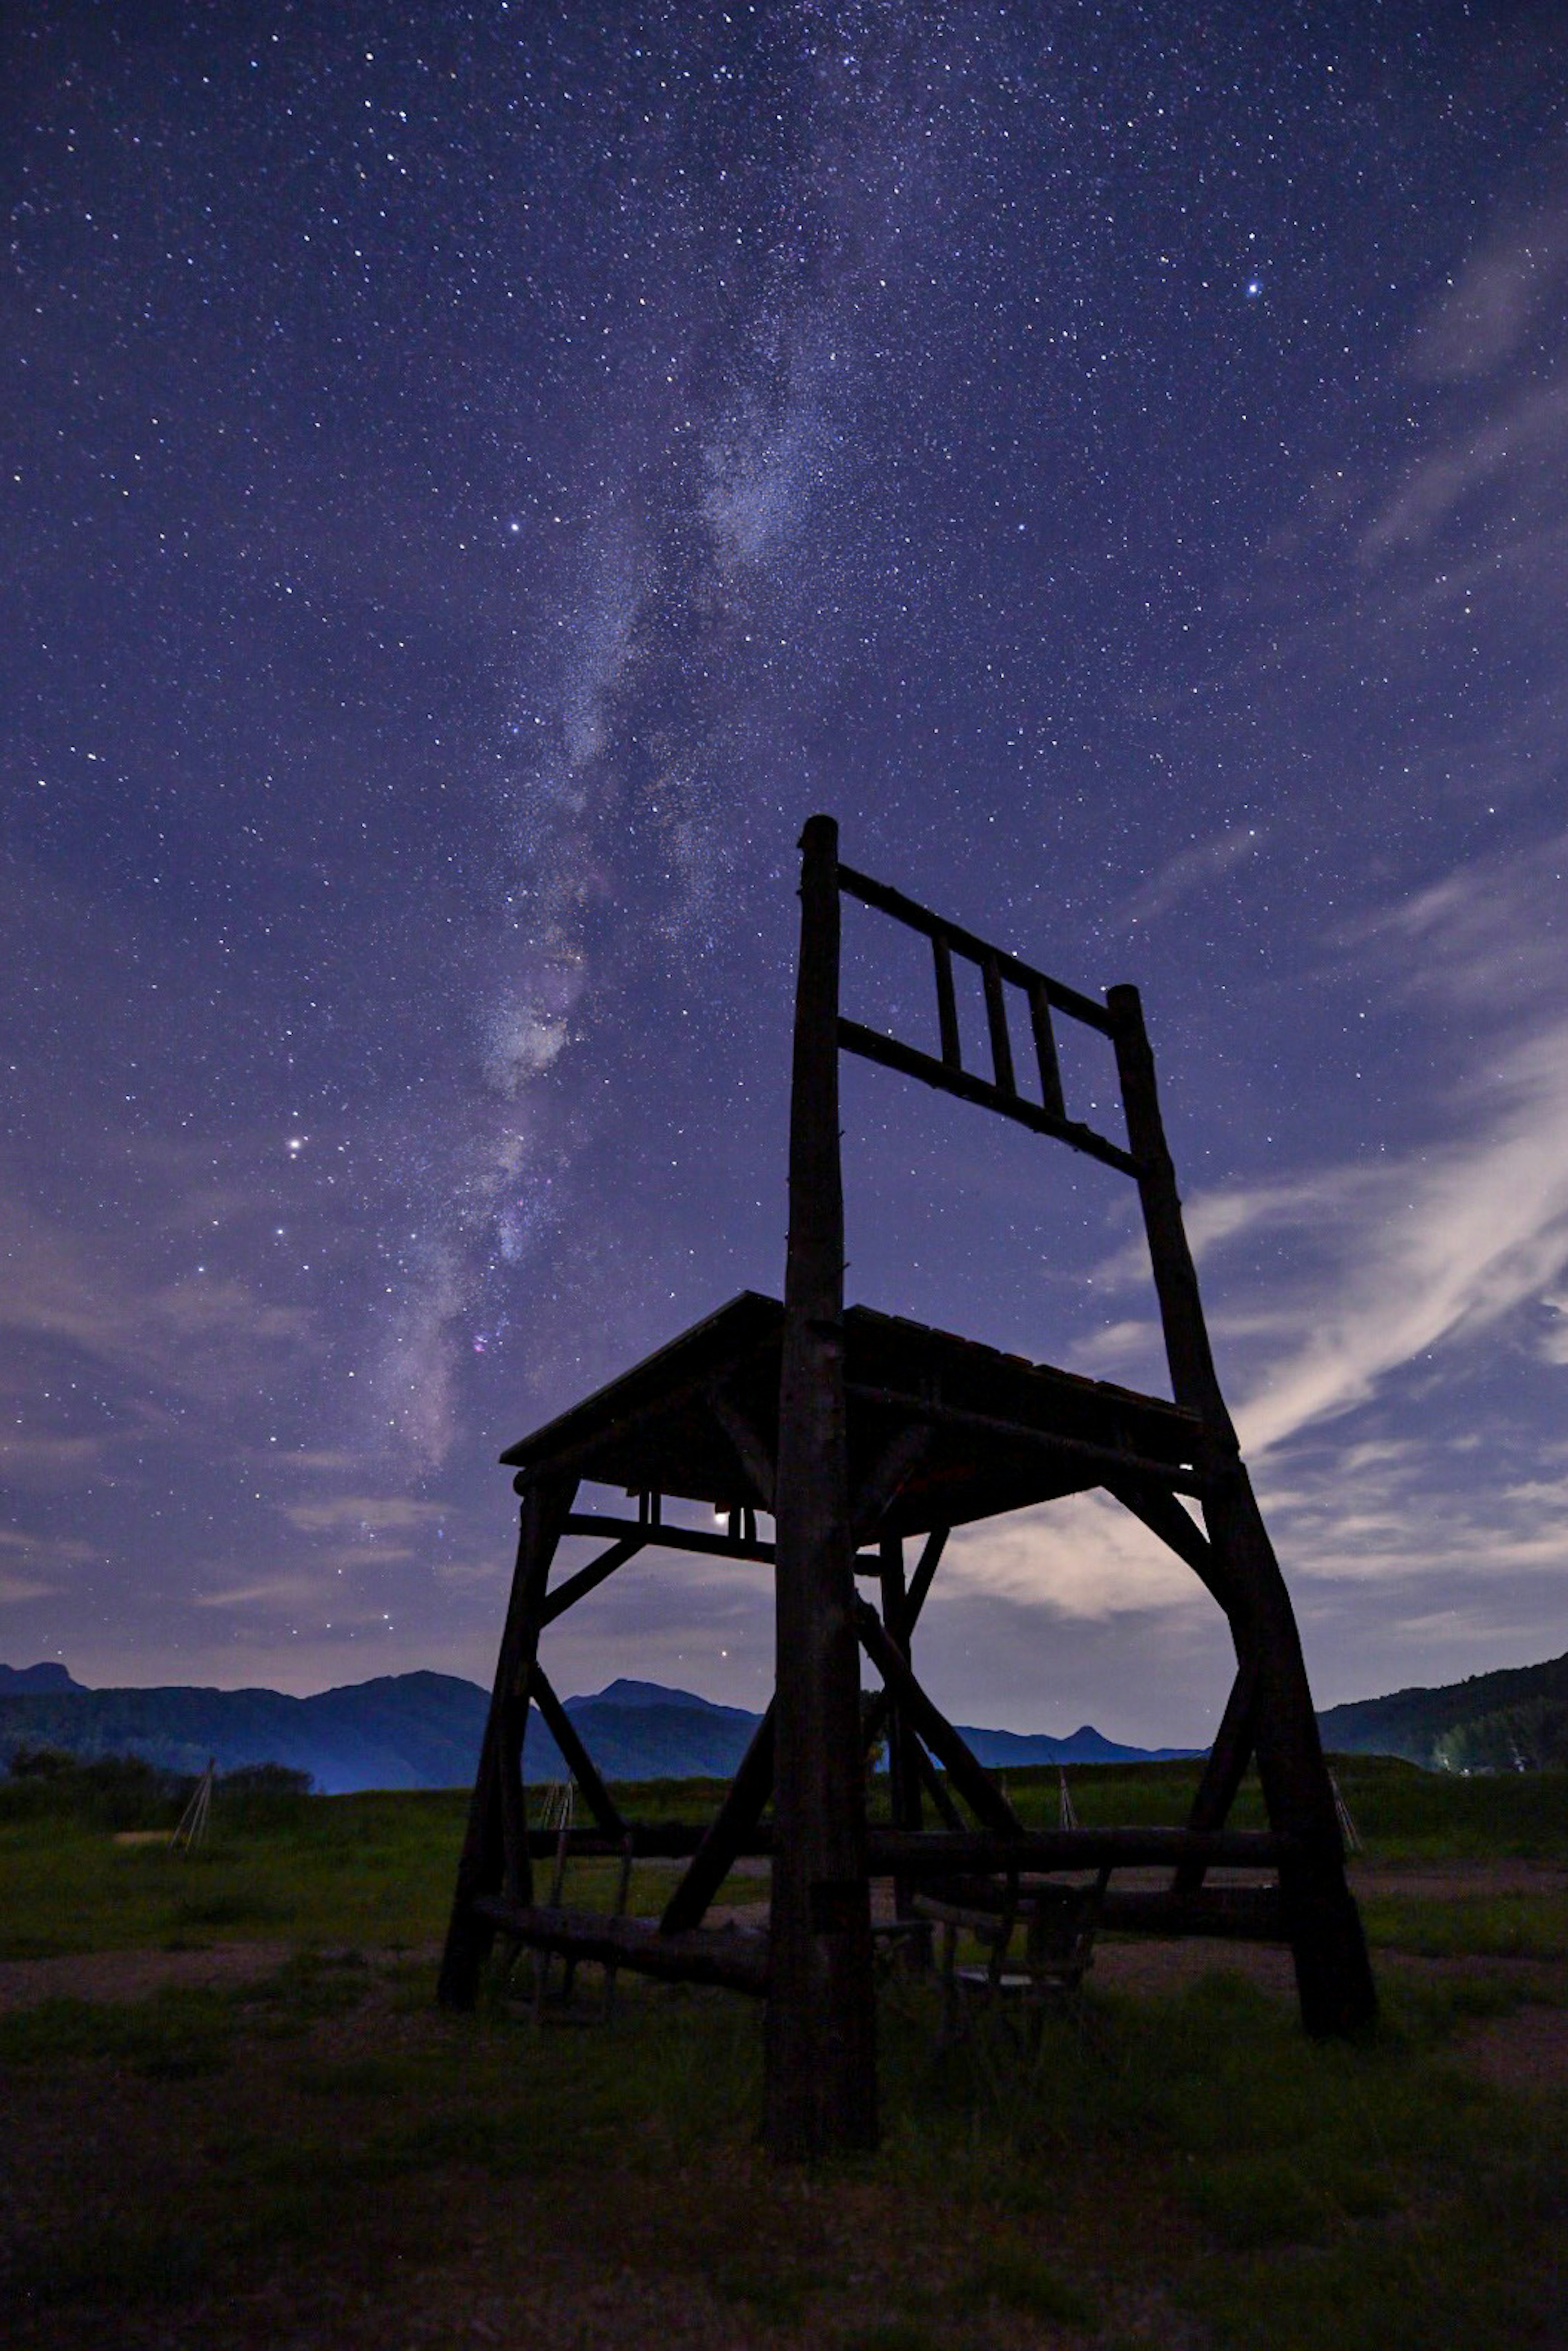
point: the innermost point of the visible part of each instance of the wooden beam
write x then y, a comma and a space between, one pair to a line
1333, 1974
579, 1761
903, 1771
757, 1462
996, 1022
1020, 1435
820, 2051
1225, 1769
889, 900
920, 1582
968, 1775
946, 1003
936, 1787
886, 1479
496, 1842
666, 1536
1050, 1095
1162, 1515
744, 1803
734, 1959
934, 1852
587, 1579
650, 1840
910, 1062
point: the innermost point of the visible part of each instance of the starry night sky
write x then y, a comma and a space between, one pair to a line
473, 486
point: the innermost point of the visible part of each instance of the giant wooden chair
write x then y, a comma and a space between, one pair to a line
857, 1432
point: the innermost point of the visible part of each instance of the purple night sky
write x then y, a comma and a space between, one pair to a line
475, 481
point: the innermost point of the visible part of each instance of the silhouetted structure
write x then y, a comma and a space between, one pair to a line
859, 1431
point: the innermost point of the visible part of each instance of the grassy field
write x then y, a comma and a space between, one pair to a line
304, 2150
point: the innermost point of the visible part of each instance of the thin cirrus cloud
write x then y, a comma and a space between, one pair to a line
1374, 1266
1482, 344
1479, 321
1192, 869
1444, 1244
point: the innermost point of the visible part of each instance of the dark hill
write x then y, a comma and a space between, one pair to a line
1507, 1721
35, 1677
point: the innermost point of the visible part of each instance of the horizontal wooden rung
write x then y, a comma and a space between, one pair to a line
652, 1841
888, 901
1252, 1914
732, 1956
668, 1535
947, 1853
910, 1062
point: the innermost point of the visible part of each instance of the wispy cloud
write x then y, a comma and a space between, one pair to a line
366, 1515
1484, 315
1397, 1258
1192, 869
202, 1334
32, 1565
1084, 1558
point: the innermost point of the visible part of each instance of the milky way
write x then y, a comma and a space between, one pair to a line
474, 487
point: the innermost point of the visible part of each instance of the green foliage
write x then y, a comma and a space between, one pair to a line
174, 2035
1419, 1723
103, 1792
1512, 1926
1530, 1736
1399, 1809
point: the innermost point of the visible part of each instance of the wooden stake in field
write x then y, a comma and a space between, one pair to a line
855, 1431
192, 1828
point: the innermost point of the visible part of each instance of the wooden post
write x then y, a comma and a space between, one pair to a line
1225, 1769
495, 1847
1334, 1975
819, 2090
903, 1773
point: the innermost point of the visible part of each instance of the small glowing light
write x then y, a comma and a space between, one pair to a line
1254, 287
296, 1145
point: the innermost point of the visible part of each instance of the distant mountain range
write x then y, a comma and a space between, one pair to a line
422, 1730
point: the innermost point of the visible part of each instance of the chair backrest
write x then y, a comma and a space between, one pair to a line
822, 1031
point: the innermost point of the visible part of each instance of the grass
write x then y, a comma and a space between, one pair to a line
1402, 1813
1196, 2148
323, 2141
309, 1870
1492, 1926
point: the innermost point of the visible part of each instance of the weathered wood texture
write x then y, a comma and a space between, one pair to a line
934, 1852
970, 1778
903, 1771
727, 1956
496, 1848
1224, 1770
1333, 1974
575, 1755
725, 1840
819, 2078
